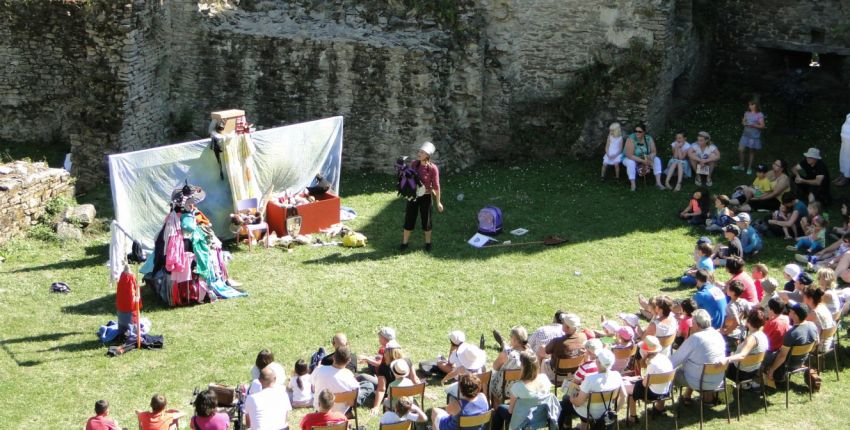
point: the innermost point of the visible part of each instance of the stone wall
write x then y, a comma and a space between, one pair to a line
25, 189
481, 78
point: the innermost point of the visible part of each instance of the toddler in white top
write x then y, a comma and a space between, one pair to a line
301, 386
613, 150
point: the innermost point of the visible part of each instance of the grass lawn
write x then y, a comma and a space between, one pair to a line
52, 367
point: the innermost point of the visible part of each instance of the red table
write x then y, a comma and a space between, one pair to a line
322, 213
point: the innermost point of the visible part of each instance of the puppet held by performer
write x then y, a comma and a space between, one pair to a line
426, 176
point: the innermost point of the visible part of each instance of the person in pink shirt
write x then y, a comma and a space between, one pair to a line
206, 417
101, 419
777, 324
735, 267
429, 175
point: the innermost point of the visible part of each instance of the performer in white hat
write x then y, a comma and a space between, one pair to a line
428, 186
844, 155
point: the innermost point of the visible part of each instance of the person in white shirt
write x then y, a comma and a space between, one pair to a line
656, 363
335, 378
269, 408
405, 410
605, 380
538, 339
301, 385
706, 346
265, 358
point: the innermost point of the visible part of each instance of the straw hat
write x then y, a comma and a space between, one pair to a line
470, 356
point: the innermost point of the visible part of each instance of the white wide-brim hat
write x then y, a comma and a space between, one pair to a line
471, 357
812, 153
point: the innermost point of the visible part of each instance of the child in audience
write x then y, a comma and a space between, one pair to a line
761, 185
736, 311
839, 230
750, 238
815, 240
158, 417
678, 163
722, 214
731, 233
784, 214
101, 419
684, 311
301, 386
702, 261
827, 257
697, 209
404, 410
625, 339
812, 211
613, 150
759, 274
826, 282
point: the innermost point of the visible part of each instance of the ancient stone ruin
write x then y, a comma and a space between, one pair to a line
481, 78
25, 190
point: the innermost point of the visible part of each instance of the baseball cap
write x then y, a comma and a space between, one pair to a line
704, 239
732, 228
761, 168
387, 333
743, 216
630, 319
457, 337
793, 271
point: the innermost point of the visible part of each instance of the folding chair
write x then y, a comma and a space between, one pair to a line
799, 351
709, 370
484, 383
403, 425
509, 376
627, 354
566, 367
826, 334
480, 421
752, 360
605, 398
657, 379
341, 426
249, 204
349, 399
667, 341
409, 391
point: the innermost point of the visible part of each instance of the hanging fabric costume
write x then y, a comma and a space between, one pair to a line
239, 162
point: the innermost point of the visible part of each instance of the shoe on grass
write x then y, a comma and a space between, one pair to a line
801, 258
791, 248
738, 168
749, 171
698, 181
428, 247
403, 247
708, 182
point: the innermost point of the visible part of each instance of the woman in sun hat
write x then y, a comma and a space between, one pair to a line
456, 339
470, 360
812, 178
429, 175
656, 363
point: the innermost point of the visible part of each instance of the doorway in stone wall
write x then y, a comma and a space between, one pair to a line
827, 82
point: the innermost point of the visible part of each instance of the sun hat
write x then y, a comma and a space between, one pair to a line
187, 194
650, 344
457, 337
630, 319
626, 333
470, 356
610, 326
606, 358
593, 345
571, 320
812, 153
428, 148
400, 367
793, 271
743, 216
387, 333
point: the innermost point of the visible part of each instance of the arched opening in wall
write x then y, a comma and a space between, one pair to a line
827, 82
683, 91
684, 10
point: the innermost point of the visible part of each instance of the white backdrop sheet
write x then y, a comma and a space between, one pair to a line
287, 159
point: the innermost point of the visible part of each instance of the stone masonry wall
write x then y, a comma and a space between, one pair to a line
481, 78
25, 189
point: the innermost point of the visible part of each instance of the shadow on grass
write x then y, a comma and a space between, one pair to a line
95, 255
48, 337
105, 305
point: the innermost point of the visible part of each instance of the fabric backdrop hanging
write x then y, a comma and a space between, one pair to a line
285, 159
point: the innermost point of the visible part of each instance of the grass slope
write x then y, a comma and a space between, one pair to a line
52, 368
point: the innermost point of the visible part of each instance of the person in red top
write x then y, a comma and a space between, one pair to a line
159, 418
430, 177
101, 420
760, 273
324, 416
776, 326
735, 267
126, 296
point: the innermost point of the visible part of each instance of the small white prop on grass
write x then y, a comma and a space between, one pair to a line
577, 273
460, 197
519, 231
480, 240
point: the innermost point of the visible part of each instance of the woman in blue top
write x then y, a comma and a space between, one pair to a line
640, 151
472, 402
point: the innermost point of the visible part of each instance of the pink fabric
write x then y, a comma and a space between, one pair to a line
175, 260
185, 274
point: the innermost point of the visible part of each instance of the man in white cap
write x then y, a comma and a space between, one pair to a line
844, 155
571, 344
429, 176
812, 178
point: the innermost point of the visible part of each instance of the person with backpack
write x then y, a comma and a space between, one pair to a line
429, 176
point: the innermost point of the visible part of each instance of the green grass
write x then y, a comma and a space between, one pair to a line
53, 368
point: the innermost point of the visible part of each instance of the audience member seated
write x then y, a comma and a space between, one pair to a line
324, 414
401, 373
736, 314
761, 186
508, 359
703, 156
796, 294
819, 314
751, 242
812, 178
684, 312
301, 385
826, 282
456, 339
206, 417
385, 335
592, 347
780, 184
828, 257
814, 240
267, 409
802, 332
101, 419
605, 380
471, 402
776, 326
336, 378
265, 358
698, 208
785, 222
541, 337
640, 154
711, 299
159, 418
655, 363
735, 266
663, 323
760, 274
721, 216
530, 391
704, 346
386, 377
623, 339
755, 343
339, 340
404, 410
733, 246
702, 260
569, 345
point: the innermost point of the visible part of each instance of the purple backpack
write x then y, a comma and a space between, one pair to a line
490, 220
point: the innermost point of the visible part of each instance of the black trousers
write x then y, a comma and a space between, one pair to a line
420, 206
